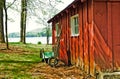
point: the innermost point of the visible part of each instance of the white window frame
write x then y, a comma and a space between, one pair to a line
57, 29
73, 26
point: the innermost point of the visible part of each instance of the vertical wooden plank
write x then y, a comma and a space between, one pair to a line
86, 67
74, 53
88, 21
53, 33
60, 52
68, 38
60, 48
109, 19
77, 59
92, 62
63, 38
77, 40
79, 64
91, 36
65, 33
109, 25
81, 36
72, 50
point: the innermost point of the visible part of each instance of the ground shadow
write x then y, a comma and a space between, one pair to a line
13, 61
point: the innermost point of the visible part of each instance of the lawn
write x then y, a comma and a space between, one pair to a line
16, 62
23, 61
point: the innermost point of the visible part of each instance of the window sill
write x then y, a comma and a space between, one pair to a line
75, 35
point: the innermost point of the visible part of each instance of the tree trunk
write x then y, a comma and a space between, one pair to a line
2, 38
6, 26
48, 34
23, 21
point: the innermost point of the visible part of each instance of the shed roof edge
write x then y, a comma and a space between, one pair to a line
50, 20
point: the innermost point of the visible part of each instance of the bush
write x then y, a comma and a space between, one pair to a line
39, 42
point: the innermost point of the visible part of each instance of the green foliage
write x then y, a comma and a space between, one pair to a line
39, 42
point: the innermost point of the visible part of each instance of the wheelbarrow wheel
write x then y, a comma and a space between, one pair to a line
53, 61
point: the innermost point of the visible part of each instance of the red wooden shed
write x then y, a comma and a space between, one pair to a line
90, 37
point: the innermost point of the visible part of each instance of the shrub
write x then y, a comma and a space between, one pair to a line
39, 42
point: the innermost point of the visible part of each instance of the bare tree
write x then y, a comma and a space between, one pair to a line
44, 10
6, 28
2, 38
41, 9
23, 21
6, 22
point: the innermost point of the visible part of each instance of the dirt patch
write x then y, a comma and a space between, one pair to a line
60, 72
12, 49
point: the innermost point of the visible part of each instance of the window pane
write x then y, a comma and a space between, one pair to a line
76, 29
74, 25
57, 29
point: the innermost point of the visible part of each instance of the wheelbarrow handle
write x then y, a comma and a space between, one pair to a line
41, 52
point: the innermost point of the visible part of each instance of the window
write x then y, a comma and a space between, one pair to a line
57, 29
74, 25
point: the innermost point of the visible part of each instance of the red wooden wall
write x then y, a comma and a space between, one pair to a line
107, 32
81, 47
115, 9
98, 45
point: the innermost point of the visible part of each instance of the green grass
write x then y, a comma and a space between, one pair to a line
15, 66
18, 65
32, 47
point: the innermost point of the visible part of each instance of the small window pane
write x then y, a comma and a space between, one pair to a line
74, 25
76, 29
57, 29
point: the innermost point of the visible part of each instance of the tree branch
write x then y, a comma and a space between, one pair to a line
11, 4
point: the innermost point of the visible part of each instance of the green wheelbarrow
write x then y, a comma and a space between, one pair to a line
48, 57
52, 57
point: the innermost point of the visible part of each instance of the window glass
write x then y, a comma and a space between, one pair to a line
74, 25
57, 29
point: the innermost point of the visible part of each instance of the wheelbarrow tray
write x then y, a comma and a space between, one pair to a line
46, 55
